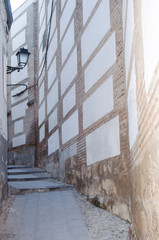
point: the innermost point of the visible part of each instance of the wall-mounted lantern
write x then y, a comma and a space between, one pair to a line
22, 59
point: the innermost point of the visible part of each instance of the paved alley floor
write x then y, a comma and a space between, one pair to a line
56, 212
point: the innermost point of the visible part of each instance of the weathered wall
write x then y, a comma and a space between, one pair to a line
83, 136
97, 115
141, 61
21, 109
98, 104
4, 31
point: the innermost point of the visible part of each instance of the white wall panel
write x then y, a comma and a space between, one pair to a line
52, 73
62, 3
104, 59
53, 142
150, 17
18, 126
19, 24
87, 8
104, 142
17, 77
66, 15
41, 93
41, 33
18, 141
99, 103
68, 41
53, 120
40, 4
129, 35
69, 71
52, 48
52, 97
41, 115
53, 23
70, 128
42, 132
42, 13
20, 97
19, 110
22, 8
93, 33
41, 55
132, 109
18, 41
69, 100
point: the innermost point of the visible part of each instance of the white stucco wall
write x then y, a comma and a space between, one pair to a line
52, 97
21, 97
41, 114
19, 24
53, 120
41, 93
99, 103
96, 68
69, 71
18, 41
70, 128
132, 109
150, 19
53, 142
52, 73
129, 36
69, 100
93, 34
68, 41
87, 8
19, 110
104, 142
66, 15
18, 126
18, 141
42, 132
53, 22
17, 77
52, 48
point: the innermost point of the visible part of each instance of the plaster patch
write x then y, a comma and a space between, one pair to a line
53, 142
69, 71
104, 142
53, 120
99, 103
70, 128
68, 41
69, 100
132, 109
103, 60
52, 97
91, 37
18, 141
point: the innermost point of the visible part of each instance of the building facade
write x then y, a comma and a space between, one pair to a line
97, 91
5, 24
21, 107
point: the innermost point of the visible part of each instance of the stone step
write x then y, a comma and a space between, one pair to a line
36, 186
28, 177
25, 171
17, 166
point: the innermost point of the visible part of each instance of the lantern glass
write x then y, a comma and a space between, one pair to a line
22, 57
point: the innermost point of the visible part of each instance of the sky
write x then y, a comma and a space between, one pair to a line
16, 3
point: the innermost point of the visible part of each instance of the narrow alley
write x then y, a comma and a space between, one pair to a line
44, 209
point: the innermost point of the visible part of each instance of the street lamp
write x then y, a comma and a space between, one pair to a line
22, 59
